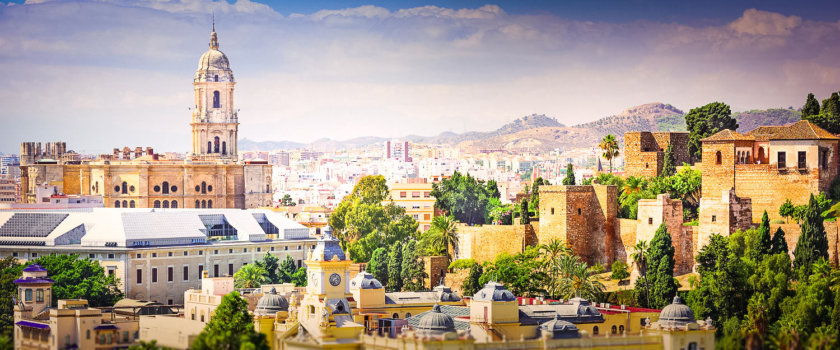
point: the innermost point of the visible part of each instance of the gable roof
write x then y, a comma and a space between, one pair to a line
803, 130
728, 135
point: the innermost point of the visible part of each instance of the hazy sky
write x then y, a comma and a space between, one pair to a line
111, 73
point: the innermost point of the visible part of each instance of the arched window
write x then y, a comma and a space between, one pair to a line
216, 144
210, 203
749, 160
27, 295
165, 187
216, 102
117, 204
621, 329
216, 79
614, 329
157, 204
407, 315
692, 346
209, 147
595, 330
166, 204
395, 315
125, 204
203, 187
131, 204
718, 158
761, 155
174, 204
203, 203
124, 187
224, 148
197, 204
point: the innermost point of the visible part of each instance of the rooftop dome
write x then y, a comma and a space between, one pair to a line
446, 294
213, 59
494, 291
676, 314
436, 322
559, 328
328, 248
365, 280
271, 303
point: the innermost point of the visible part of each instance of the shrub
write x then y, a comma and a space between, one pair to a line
619, 270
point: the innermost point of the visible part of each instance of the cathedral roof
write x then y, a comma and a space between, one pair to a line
213, 59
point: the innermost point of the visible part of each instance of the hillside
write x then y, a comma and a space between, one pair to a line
775, 116
537, 132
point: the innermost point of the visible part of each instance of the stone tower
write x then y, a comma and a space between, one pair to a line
214, 120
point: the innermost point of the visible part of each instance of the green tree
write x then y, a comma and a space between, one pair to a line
811, 107
705, 121
287, 269
762, 244
269, 264
443, 235
250, 276
299, 277
578, 280
779, 243
786, 210
669, 166
230, 328
640, 258
287, 201
813, 243
493, 189
472, 284
831, 105
534, 203
10, 270
77, 278
661, 269
464, 197
524, 216
521, 273
619, 270
371, 189
378, 265
395, 279
610, 147
412, 268
569, 180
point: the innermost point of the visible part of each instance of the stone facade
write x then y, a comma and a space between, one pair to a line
793, 231
585, 217
435, 268
644, 152
723, 214
484, 243
652, 213
770, 165
211, 177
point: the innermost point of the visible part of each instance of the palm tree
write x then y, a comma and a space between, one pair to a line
634, 184
551, 255
250, 276
610, 147
578, 280
444, 233
639, 256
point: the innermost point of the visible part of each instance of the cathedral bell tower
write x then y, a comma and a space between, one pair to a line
215, 124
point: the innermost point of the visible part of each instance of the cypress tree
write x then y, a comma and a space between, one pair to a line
378, 265
762, 244
669, 166
779, 242
412, 268
395, 279
813, 243
230, 328
661, 268
525, 217
812, 107
569, 180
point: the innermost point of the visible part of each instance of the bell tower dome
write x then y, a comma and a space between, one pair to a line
215, 124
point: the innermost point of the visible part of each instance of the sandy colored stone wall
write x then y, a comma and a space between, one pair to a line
455, 279
644, 152
652, 213
435, 268
627, 231
484, 243
585, 218
723, 215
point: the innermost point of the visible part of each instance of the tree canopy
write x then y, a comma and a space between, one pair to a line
705, 121
609, 146
230, 328
465, 198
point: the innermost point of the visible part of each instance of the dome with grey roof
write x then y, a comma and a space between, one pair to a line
436, 321
328, 248
558, 328
494, 291
446, 294
271, 303
676, 314
364, 280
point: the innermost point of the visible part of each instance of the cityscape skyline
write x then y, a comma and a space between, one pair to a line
83, 67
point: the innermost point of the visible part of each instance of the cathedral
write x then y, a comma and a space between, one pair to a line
210, 176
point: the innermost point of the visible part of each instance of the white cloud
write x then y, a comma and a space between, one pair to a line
757, 22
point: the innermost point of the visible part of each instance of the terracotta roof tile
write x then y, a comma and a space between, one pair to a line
728, 135
803, 130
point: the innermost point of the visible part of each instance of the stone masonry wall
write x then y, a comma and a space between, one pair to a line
484, 243
723, 214
585, 218
435, 268
644, 152
792, 232
652, 213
